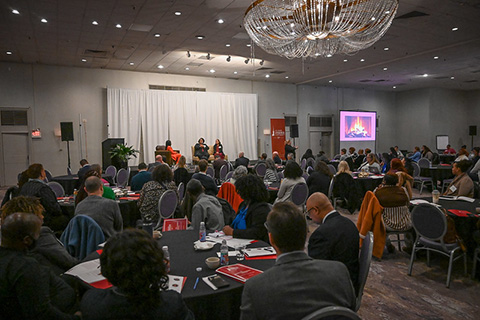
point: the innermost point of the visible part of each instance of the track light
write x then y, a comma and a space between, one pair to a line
208, 56
229, 59
247, 61
261, 62
188, 54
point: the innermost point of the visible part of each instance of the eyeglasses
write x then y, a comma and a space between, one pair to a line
266, 225
308, 211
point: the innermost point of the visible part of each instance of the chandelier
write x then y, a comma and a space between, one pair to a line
312, 28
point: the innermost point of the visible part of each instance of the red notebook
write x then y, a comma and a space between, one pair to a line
239, 272
460, 213
174, 224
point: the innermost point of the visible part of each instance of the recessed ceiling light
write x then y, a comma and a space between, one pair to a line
329, 55
211, 71
385, 69
425, 75
228, 45
235, 72
452, 78
187, 68
249, 45
345, 60
8, 52
330, 81
454, 29
220, 21
178, 13
131, 63
286, 77
160, 66
362, 60
200, 37
157, 35
435, 57
118, 25
84, 60
386, 48
373, 18
44, 20
15, 11
267, 76
394, 87
95, 23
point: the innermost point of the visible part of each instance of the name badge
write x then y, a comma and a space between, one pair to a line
453, 188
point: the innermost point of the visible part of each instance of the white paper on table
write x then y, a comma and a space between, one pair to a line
235, 243
418, 201
218, 239
87, 271
377, 177
216, 234
231, 253
209, 283
175, 283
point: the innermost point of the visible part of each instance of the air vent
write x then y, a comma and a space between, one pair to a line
195, 64
264, 68
140, 27
14, 117
412, 14
241, 36
172, 88
95, 53
205, 58
470, 81
277, 72
320, 121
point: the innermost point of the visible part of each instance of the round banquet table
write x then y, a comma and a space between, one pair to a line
367, 184
437, 173
204, 302
70, 183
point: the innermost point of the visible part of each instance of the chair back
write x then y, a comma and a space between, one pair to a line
364, 265
57, 188
181, 191
122, 178
261, 169
82, 236
332, 312
429, 222
303, 164
332, 168
330, 189
229, 175
48, 176
424, 163
300, 194
111, 171
305, 176
310, 162
281, 175
211, 172
223, 172
310, 170
416, 169
167, 204
69, 171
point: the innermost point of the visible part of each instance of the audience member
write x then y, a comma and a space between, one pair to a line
404, 179
239, 172
201, 150
36, 187
218, 148
151, 192
319, 180
475, 172
360, 159
290, 157
158, 161
276, 158
462, 155
449, 150
416, 155
105, 212
371, 164
95, 171
352, 153
343, 154
181, 173
253, 211
393, 154
206, 208
461, 185
308, 155
142, 177
29, 290
344, 187
399, 153
48, 250
289, 149
475, 155
241, 161
136, 293
271, 174
427, 153
174, 154
85, 166
293, 176
263, 158
336, 238
207, 182
218, 164
297, 285
322, 157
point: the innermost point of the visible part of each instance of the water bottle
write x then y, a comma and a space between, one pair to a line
166, 258
203, 232
75, 192
224, 253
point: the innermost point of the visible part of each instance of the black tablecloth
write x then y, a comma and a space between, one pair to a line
366, 184
447, 158
69, 183
438, 173
128, 209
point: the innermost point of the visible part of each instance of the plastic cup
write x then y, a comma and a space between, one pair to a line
435, 196
240, 253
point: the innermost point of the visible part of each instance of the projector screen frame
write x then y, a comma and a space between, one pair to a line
372, 115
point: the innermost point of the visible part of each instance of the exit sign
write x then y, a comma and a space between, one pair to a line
36, 134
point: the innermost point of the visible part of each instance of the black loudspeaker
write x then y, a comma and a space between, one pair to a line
294, 131
107, 145
472, 130
67, 131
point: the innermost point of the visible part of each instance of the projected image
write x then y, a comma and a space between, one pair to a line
357, 126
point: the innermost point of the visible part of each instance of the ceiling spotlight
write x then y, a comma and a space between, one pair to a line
9, 52
286, 77
261, 62
394, 87
329, 55
435, 58
44, 20
160, 66
220, 21
454, 29
247, 61
362, 60
187, 68
131, 63
118, 25
188, 54
208, 56
235, 72
200, 37
229, 58
452, 78
178, 13
249, 45
385, 69
84, 60
157, 35
345, 60
95, 23
212, 71
330, 81
425, 75
15, 11
228, 45
386, 49
267, 76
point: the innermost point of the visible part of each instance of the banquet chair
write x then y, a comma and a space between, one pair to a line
181, 191
476, 257
310, 162
82, 236
69, 171
261, 169
281, 175
57, 188
166, 206
332, 168
223, 173
396, 214
310, 170
111, 171
364, 261
330, 196
211, 172
424, 163
430, 224
122, 178
332, 312
48, 176
229, 175
445, 184
300, 194
419, 179
303, 164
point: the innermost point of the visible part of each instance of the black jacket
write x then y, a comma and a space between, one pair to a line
255, 219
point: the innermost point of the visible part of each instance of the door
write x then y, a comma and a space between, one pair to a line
15, 156
327, 143
316, 141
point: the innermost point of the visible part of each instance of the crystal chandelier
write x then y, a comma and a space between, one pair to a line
312, 28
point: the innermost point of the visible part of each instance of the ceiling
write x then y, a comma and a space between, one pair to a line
421, 31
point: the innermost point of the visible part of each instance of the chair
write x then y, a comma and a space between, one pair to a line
332, 168
111, 171
330, 194
82, 236
309, 170
430, 224
475, 259
303, 164
57, 188
396, 216
305, 176
122, 178
166, 206
181, 191
446, 183
364, 266
424, 163
419, 179
300, 194
211, 172
332, 312
69, 171
223, 172
48, 176
229, 175
281, 175
261, 169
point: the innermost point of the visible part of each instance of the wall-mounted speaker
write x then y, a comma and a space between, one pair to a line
294, 131
472, 130
67, 131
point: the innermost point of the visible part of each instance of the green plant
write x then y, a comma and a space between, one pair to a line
123, 152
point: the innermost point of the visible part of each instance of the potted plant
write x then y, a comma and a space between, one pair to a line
121, 153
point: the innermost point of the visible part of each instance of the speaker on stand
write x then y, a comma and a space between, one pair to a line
293, 132
472, 131
67, 135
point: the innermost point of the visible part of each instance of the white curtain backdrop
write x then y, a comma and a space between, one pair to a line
183, 117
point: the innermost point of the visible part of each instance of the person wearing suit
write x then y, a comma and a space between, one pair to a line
85, 167
241, 161
296, 285
206, 181
336, 238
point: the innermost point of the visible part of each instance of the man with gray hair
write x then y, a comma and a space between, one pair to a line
105, 212
206, 208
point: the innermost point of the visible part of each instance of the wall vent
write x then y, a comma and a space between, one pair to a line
14, 118
320, 121
173, 88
